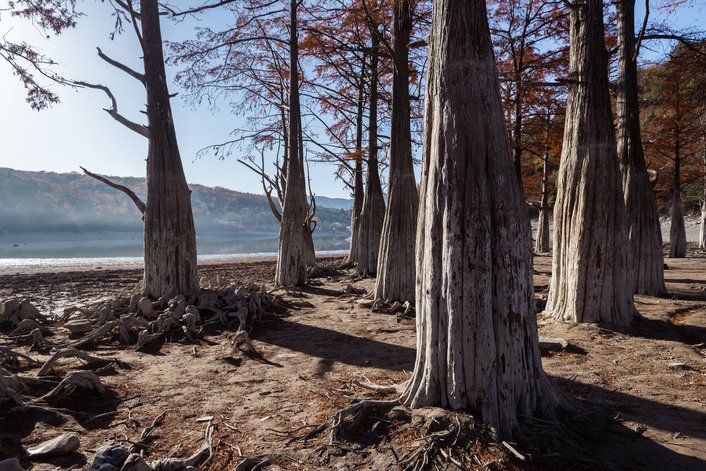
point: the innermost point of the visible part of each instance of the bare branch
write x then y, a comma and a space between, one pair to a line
140, 129
131, 194
121, 66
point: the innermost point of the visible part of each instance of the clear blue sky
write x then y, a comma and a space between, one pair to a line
77, 131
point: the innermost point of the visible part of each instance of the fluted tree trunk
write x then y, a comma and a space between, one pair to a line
358, 191
589, 274
477, 346
396, 275
702, 229
170, 239
294, 251
372, 213
677, 231
645, 262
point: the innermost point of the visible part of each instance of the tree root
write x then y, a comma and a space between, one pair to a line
400, 310
141, 442
313, 430
322, 271
71, 352
73, 380
357, 411
11, 358
394, 389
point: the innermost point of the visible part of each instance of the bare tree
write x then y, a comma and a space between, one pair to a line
589, 274
477, 345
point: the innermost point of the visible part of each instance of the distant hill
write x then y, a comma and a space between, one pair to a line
73, 202
335, 203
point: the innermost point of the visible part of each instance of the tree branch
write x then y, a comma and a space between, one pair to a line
131, 194
121, 66
140, 129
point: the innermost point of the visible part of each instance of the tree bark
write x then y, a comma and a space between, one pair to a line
677, 231
170, 240
702, 230
589, 277
477, 346
373, 212
293, 252
396, 276
358, 191
542, 241
645, 262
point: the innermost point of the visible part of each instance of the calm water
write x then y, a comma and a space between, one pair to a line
91, 248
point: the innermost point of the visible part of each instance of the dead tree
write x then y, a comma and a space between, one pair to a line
396, 276
589, 277
645, 262
477, 345
292, 256
170, 239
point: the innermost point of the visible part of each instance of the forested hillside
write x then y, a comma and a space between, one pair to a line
47, 201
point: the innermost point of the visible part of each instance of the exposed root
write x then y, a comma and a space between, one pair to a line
357, 412
73, 380
141, 443
71, 352
322, 271
12, 359
8, 383
14, 311
310, 432
394, 389
400, 310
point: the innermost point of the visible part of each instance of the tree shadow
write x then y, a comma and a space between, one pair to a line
663, 329
333, 346
613, 445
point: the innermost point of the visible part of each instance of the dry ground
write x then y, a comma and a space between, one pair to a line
638, 396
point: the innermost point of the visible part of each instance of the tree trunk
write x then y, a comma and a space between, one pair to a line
517, 127
293, 251
477, 346
542, 243
170, 239
396, 263
702, 230
358, 191
677, 231
645, 262
373, 212
589, 278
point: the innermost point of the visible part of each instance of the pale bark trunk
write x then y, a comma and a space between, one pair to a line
170, 239
396, 276
589, 279
477, 345
645, 261
293, 253
677, 231
702, 230
373, 212
542, 242
358, 191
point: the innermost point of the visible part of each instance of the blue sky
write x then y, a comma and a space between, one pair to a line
78, 132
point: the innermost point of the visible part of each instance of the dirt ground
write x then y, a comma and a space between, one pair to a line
637, 397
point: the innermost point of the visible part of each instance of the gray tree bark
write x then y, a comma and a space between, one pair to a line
396, 275
589, 276
645, 262
294, 251
542, 240
372, 213
477, 345
170, 239
677, 231
358, 191
702, 229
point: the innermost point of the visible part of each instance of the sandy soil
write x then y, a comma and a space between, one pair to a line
638, 397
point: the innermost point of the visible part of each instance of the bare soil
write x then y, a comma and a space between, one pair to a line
637, 398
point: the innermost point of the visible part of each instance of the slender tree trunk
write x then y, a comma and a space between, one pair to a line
396, 263
373, 212
645, 261
293, 251
477, 346
542, 242
517, 130
702, 230
677, 231
589, 277
170, 239
358, 191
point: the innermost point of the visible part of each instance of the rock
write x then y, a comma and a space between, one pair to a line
10, 464
145, 306
135, 462
78, 326
549, 344
171, 464
113, 455
61, 445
